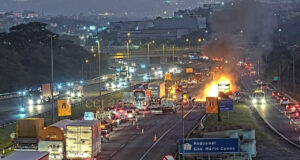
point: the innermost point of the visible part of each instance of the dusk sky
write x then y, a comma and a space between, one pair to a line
74, 7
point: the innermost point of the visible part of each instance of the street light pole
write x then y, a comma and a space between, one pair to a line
52, 105
173, 55
294, 79
163, 50
182, 116
148, 49
100, 92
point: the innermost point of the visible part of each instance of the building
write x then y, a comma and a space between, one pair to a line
158, 29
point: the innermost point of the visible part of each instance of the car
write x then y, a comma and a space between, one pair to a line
130, 113
296, 114
291, 107
275, 94
22, 109
284, 101
278, 98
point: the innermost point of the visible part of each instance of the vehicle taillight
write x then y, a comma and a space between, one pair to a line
297, 114
145, 108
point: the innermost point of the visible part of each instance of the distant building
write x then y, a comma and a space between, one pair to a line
158, 29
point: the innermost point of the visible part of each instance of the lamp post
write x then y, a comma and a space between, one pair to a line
52, 102
173, 53
163, 50
148, 52
99, 67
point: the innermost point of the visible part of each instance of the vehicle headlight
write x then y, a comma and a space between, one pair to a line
254, 101
263, 100
68, 92
72, 94
129, 115
22, 109
39, 101
78, 94
30, 101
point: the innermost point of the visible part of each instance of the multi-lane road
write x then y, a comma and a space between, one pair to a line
271, 114
128, 140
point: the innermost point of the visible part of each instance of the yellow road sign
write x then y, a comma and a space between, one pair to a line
168, 76
63, 107
189, 70
211, 105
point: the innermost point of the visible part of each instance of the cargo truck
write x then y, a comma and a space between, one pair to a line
53, 140
157, 91
46, 92
83, 139
127, 99
28, 133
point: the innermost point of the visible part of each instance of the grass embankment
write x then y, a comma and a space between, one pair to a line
240, 118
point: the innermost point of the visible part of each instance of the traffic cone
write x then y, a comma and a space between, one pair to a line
155, 138
142, 131
137, 126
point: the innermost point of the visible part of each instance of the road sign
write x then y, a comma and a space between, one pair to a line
88, 116
225, 105
63, 107
168, 157
168, 76
211, 105
276, 78
208, 145
189, 70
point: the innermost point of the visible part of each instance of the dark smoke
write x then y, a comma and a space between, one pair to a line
242, 26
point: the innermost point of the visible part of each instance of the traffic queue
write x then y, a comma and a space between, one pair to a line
82, 138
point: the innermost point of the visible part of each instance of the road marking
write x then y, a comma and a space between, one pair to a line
154, 144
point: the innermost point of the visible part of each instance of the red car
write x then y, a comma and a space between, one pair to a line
290, 108
278, 98
296, 114
275, 94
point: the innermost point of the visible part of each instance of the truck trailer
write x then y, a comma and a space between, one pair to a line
53, 140
28, 133
83, 139
157, 92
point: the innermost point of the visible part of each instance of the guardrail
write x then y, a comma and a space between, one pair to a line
9, 95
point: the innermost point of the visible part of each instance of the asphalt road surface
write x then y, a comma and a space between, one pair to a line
271, 113
128, 142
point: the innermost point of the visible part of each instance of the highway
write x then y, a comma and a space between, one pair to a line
128, 141
271, 114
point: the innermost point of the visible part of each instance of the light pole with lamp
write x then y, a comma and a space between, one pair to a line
99, 67
52, 102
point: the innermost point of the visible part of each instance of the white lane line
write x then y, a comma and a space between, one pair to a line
154, 144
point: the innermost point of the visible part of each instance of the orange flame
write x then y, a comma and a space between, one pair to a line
211, 89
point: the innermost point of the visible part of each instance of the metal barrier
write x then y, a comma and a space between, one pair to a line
9, 95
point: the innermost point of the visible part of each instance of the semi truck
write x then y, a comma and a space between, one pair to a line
46, 92
53, 140
157, 91
127, 99
28, 133
83, 139
34, 96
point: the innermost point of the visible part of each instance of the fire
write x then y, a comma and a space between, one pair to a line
212, 88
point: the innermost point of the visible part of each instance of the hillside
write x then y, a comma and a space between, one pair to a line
25, 57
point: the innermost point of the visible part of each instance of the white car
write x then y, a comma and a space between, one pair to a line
284, 101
